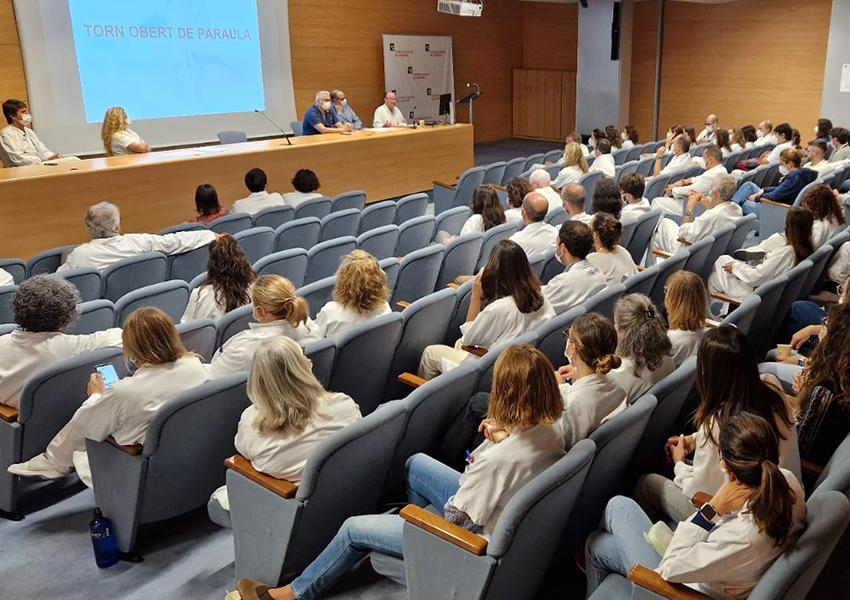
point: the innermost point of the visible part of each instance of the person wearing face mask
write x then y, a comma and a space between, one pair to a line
388, 114
321, 118
343, 111
817, 158
19, 145
708, 135
117, 136
822, 130
765, 134
794, 179
580, 280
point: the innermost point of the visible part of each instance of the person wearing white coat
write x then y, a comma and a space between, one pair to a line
541, 183
537, 238
43, 305
575, 166
604, 161
686, 303
673, 204
487, 212
580, 280
164, 368
681, 159
6, 278
108, 245
277, 311
259, 198
612, 260
306, 185
632, 187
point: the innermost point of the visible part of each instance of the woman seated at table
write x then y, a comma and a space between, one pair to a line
523, 438
117, 136
360, 294
207, 205
686, 302
228, 283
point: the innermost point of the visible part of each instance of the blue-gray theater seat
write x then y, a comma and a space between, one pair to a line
318, 293
451, 221
300, 233
170, 296
88, 282
199, 336
291, 264
324, 258
377, 215
314, 207
459, 258
95, 315
410, 207
273, 217
232, 223
418, 272
414, 234
340, 224
355, 199
256, 242
380, 242
132, 273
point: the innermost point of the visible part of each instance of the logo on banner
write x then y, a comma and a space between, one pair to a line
427, 47
392, 46
410, 70
428, 91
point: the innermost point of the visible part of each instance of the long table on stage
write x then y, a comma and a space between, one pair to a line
43, 206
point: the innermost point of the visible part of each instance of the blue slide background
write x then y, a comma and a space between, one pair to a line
168, 77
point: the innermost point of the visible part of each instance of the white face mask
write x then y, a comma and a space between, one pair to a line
326, 105
129, 121
26, 120
558, 256
345, 101
759, 133
783, 170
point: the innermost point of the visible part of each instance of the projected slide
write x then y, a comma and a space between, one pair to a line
168, 58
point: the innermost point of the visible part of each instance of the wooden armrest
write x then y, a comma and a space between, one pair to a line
8, 414
411, 380
402, 304
810, 468
282, 487
652, 581
451, 186
725, 298
501, 188
640, 268
436, 525
474, 350
700, 498
662, 253
134, 449
712, 323
775, 203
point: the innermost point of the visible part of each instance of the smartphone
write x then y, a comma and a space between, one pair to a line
110, 375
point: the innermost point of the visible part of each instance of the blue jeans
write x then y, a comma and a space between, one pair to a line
428, 481
747, 189
619, 545
845, 187
802, 314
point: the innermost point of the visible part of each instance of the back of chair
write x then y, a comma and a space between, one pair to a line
551, 269
819, 258
722, 237
182, 227
655, 188
494, 173
88, 282
14, 267
796, 280
232, 323
95, 315
642, 282
645, 166
232, 223
7, 292
188, 265
132, 273
291, 264
730, 161
743, 226
199, 336
770, 293
620, 155
48, 261
390, 266
301, 233
629, 226
466, 184
588, 181
556, 217
634, 153
666, 268
256, 242
551, 337
340, 224
355, 199
297, 127
513, 168
836, 474
767, 177
410, 207
169, 296
415, 234
314, 207
231, 137
418, 273
324, 258
380, 242
643, 234
318, 293
379, 214
603, 302
458, 318
322, 353
274, 216
742, 317
451, 221
531, 160
698, 254
493, 236
459, 258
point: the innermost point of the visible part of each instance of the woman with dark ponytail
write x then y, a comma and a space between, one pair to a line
726, 546
592, 395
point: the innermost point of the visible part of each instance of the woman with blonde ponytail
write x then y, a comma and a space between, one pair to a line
588, 392
277, 311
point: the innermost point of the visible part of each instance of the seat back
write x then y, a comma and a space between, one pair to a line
466, 184
819, 258
603, 302
418, 274
231, 137
318, 293
493, 236
551, 339
182, 227
665, 269
232, 223
297, 127
634, 153
380, 242
629, 226
487, 363
796, 280
364, 355
836, 474
722, 238
390, 266
655, 188
556, 217
643, 233
730, 161
324, 258
493, 173
256, 242
458, 318
340, 224
7, 328
379, 214
48, 261
742, 229
742, 317
451, 221
697, 255
355, 199
291, 264
7, 292
645, 166
588, 181
187, 265
169, 296
767, 177
620, 155
415, 234
513, 168
95, 315
301, 233
88, 282
770, 294
322, 353
132, 273
624, 169
14, 267
314, 207
551, 269
198, 335
642, 282
410, 207
232, 323
274, 216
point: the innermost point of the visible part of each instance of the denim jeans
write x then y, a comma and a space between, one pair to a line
747, 189
619, 545
429, 482
802, 314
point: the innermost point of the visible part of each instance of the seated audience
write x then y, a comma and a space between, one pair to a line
19, 145
686, 303
290, 414
506, 302
632, 187
784, 141
709, 134
207, 205
765, 134
672, 202
587, 388
523, 438
674, 132
840, 144
487, 212
607, 198
610, 258
573, 199
573, 138
228, 283
575, 166
541, 183
344, 113
44, 306
108, 245
817, 158
360, 294
163, 368
259, 198
737, 141
750, 136
613, 136
306, 185
537, 237
681, 157
388, 114
517, 189
629, 136
691, 133
117, 136
604, 161
593, 139
793, 179
724, 548
822, 130
827, 213
277, 311
320, 118
643, 346
580, 280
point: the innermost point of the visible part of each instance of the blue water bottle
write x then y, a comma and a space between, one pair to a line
104, 543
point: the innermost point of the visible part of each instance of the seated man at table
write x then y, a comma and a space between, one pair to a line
260, 198
19, 145
388, 114
108, 245
320, 118
343, 111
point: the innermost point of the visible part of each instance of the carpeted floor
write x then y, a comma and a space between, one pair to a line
490, 152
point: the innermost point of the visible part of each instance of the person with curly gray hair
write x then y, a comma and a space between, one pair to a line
44, 306
108, 245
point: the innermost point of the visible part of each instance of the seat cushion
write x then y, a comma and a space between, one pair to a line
615, 587
390, 567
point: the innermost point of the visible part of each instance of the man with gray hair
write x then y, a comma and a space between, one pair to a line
720, 211
108, 245
388, 114
320, 117
537, 237
676, 193
541, 182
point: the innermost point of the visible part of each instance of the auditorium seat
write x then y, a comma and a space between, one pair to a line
197, 281
634, 153
836, 474
291, 264
629, 224
297, 127
414, 234
314, 207
538, 263
553, 156
232, 323
95, 315
772, 214
743, 315
459, 258
182, 227
656, 186
340, 224
318, 293
458, 318
722, 238
556, 217
7, 292
451, 221
180, 463
88, 282
770, 293
418, 272
132, 273
322, 353
256, 242
231, 137
48, 261
665, 269
410, 207
551, 339
354, 199
391, 267
588, 181
743, 226
733, 158
379, 214
14, 267
551, 269
820, 259
531, 160
7, 328
697, 254
169, 296
493, 236
273, 217
232, 223
188, 265
299, 233
603, 302
620, 155
450, 195
198, 335
493, 173
642, 282
380, 242
625, 168
513, 168
768, 177
645, 166
324, 258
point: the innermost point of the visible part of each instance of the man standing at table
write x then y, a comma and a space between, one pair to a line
19, 145
343, 111
320, 118
388, 114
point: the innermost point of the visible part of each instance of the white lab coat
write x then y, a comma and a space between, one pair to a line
536, 239
571, 174
573, 286
19, 148
701, 183
615, 266
635, 209
6, 278
587, 402
823, 168
23, 353
103, 252
627, 145
582, 217
237, 353
823, 230
203, 304
500, 321
770, 138
668, 233
839, 269
383, 116
294, 199
514, 215
745, 278
707, 136
335, 319
552, 196
774, 155
257, 201
636, 386
121, 140
729, 560
604, 163
474, 224
679, 162
685, 343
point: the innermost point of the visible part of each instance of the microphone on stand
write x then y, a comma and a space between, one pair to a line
414, 116
286, 134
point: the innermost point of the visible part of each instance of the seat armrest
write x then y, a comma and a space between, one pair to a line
452, 285
498, 187
282, 487
775, 203
133, 449
451, 186
662, 253
474, 350
712, 323
810, 468
449, 532
652, 581
402, 304
725, 298
411, 380
700, 498
8, 414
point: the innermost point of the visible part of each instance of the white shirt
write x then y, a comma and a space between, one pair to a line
514, 215
536, 239
103, 252
474, 224
295, 198
604, 163
636, 386
615, 266
635, 209
570, 174
125, 409
770, 138
121, 140
728, 561
6, 278
284, 454
823, 230
710, 221
22, 354
573, 286
773, 157
685, 343
257, 201
707, 136
582, 217
627, 144
552, 196
500, 321
384, 116
19, 148
586, 404
824, 167
335, 319
839, 270
679, 162
701, 183
498, 471
203, 304
745, 278
237, 353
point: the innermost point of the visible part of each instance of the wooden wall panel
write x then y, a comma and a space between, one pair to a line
549, 35
645, 24
12, 82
